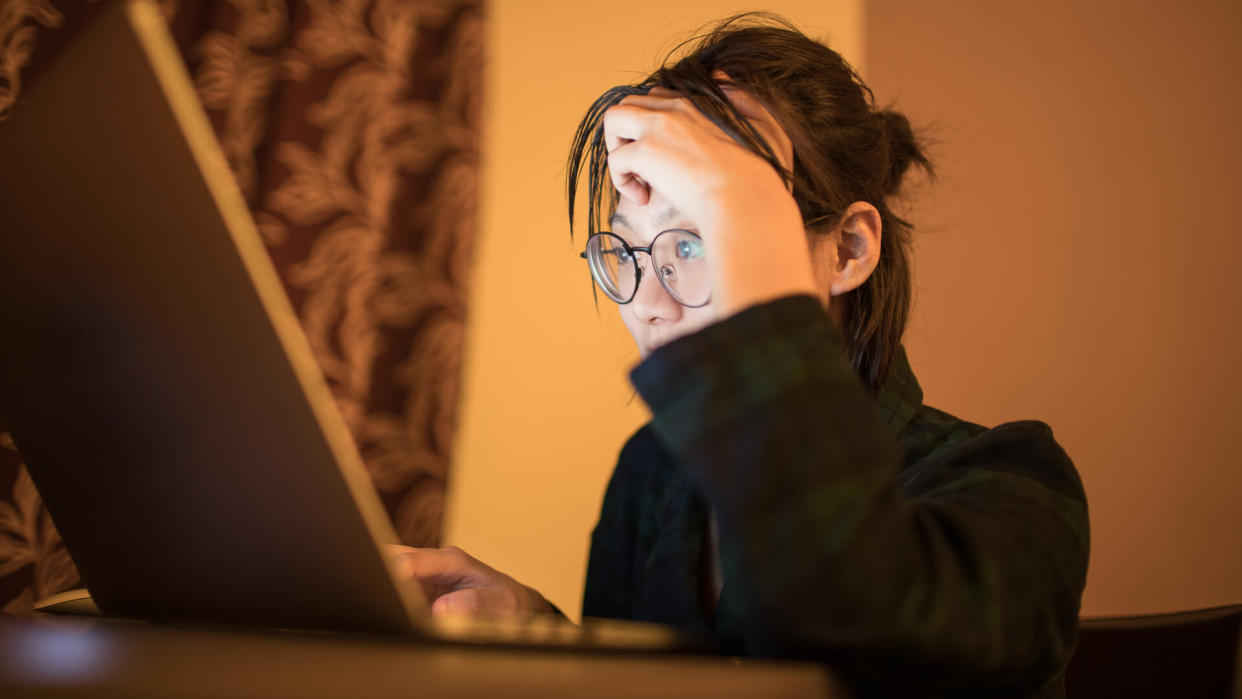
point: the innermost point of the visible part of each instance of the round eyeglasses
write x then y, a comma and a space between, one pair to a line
677, 257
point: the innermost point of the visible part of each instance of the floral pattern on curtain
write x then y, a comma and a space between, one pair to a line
352, 127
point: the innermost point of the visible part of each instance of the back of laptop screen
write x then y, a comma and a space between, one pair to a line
183, 455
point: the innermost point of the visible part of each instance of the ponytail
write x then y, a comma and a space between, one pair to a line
904, 150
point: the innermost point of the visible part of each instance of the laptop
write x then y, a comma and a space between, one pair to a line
158, 384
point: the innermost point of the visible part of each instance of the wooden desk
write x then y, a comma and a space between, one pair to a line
62, 656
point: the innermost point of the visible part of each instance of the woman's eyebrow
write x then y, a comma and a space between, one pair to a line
669, 214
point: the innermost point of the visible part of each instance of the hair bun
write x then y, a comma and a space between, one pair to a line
904, 150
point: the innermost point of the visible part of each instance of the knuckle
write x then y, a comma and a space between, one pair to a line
507, 599
455, 556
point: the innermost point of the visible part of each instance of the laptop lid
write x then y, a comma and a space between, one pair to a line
152, 370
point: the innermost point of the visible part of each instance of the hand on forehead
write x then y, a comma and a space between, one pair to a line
660, 141
750, 107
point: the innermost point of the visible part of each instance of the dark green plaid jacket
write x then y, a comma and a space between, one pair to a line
913, 552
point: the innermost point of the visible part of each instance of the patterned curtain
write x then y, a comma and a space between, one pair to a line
353, 129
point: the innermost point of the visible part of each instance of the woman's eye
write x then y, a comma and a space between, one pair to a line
689, 249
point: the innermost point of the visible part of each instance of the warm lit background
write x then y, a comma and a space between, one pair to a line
1077, 263
1081, 262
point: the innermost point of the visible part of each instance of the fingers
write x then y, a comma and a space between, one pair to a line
660, 101
750, 107
625, 127
448, 567
639, 132
659, 91
626, 122
492, 599
745, 103
456, 583
663, 99
628, 184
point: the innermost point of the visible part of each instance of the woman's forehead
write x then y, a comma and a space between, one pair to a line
640, 218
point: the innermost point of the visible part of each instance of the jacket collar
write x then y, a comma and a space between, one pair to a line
900, 396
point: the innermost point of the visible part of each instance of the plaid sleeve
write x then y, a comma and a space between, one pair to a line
973, 583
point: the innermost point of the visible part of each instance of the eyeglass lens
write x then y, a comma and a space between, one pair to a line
677, 258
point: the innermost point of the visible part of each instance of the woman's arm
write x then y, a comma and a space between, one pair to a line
975, 582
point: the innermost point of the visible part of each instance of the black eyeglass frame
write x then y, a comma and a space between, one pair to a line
638, 277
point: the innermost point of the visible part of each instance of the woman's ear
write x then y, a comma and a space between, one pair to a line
857, 241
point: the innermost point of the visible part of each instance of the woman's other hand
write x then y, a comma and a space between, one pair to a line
454, 582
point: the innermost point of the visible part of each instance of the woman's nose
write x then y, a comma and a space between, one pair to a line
652, 303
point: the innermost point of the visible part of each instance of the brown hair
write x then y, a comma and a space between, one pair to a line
845, 150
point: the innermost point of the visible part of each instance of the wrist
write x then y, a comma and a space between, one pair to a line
755, 261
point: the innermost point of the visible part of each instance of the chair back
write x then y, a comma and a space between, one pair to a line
1183, 654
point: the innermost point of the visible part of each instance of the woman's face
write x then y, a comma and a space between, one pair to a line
655, 318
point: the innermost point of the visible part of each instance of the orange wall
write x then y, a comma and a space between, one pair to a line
1079, 261
546, 402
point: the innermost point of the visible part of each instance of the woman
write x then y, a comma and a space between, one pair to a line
792, 494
